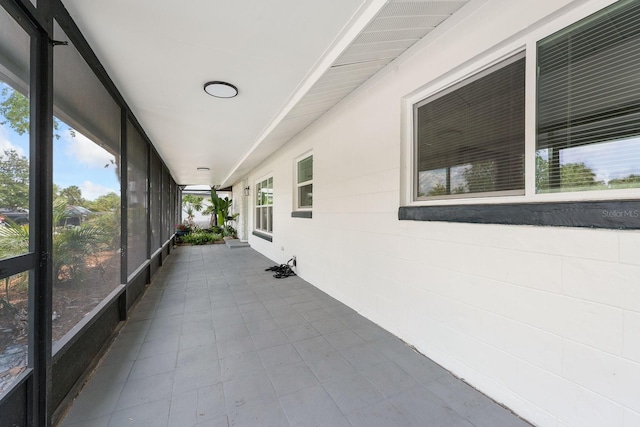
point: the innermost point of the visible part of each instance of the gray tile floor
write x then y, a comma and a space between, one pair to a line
217, 341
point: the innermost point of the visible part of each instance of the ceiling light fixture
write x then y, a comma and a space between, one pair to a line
220, 89
203, 168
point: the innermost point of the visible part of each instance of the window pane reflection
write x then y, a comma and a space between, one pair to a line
602, 166
305, 196
305, 170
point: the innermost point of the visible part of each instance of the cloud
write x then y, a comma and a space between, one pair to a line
86, 151
92, 191
5, 144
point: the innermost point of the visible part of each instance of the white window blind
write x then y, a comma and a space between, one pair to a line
589, 103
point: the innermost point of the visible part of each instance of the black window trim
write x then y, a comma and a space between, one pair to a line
607, 214
261, 235
302, 214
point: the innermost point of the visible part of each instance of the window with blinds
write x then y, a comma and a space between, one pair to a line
588, 130
137, 204
470, 138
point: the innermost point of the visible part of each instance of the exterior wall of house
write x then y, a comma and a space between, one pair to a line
240, 206
545, 320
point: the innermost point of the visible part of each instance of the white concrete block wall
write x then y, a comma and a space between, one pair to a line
240, 206
543, 319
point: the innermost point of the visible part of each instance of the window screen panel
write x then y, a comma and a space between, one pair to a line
86, 174
14, 54
137, 155
166, 205
172, 205
14, 142
470, 138
81, 100
14, 200
156, 202
588, 135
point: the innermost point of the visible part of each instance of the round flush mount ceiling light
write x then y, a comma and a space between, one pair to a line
220, 89
202, 168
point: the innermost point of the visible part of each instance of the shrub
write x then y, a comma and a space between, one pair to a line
200, 237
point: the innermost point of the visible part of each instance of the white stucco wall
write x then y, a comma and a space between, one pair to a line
543, 319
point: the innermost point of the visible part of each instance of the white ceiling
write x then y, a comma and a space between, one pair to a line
292, 60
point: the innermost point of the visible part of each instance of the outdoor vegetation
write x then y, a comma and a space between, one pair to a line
86, 232
220, 219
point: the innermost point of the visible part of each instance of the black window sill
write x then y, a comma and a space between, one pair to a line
263, 236
618, 214
302, 214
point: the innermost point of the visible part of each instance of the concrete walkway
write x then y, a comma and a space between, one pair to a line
217, 341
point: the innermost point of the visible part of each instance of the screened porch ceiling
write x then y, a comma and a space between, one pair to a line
291, 61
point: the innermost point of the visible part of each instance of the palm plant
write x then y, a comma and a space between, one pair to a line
222, 209
212, 211
14, 240
191, 204
71, 244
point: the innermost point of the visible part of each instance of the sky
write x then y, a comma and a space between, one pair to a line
76, 159
624, 154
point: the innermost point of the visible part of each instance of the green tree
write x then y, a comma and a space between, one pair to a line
14, 180
480, 177
190, 205
212, 211
437, 190
577, 175
73, 196
15, 108
630, 181
109, 202
572, 175
542, 173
